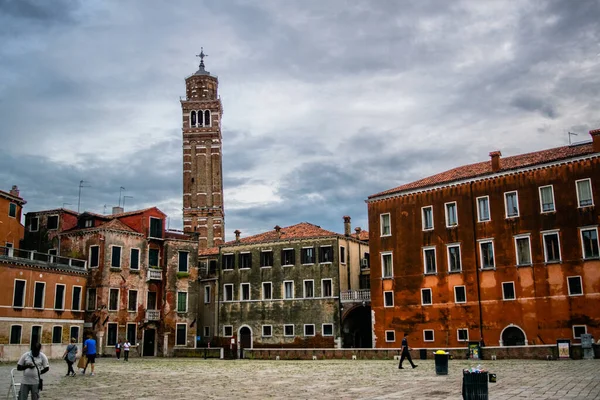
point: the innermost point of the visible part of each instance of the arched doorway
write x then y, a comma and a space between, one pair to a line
244, 340
356, 328
512, 335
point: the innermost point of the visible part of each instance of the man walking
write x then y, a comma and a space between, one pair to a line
89, 348
406, 353
126, 347
33, 364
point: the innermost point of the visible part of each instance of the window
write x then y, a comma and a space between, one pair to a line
113, 299
454, 264
287, 257
385, 224
307, 255
326, 254
547, 199
267, 290
115, 260
76, 305
267, 330
59, 297
74, 333
245, 291
266, 258
579, 330
388, 299
12, 210
132, 300
511, 204
429, 260
386, 265
182, 266
182, 302
463, 335
131, 334
207, 331
365, 262
460, 294
156, 227
309, 289
508, 291
94, 256
390, 336
91, 299
153, 256
584, 193
228, 261
309, 330
451, 216
15, 334
52, 252
228, 331
575, 287
206, 294
151, 301
288, 330
34, 224
57, 334
342, 255
551, 247
19, 294
111, 334
327, 329
428, 335
52, 222
245, 260
88, 223
326, 288
523, 250
38, 296
288, 289
589, 242
134, 259
486, 252
426, 299
364, 281
427, 218
228, 292
181, 339
36, 334
483, 209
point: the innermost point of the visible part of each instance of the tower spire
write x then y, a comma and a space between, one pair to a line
201, 70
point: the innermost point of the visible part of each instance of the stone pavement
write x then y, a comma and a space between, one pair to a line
160, 378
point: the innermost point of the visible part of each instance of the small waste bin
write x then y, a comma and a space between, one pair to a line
475, 385
441, 363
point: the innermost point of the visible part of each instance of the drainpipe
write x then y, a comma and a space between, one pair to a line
477, 266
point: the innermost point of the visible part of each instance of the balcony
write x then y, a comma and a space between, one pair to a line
154, 275
32, 257
356, 296
152, 315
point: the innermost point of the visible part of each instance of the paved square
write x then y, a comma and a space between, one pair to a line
161, 378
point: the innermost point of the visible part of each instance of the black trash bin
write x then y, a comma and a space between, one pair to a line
475, 385
423, 354
441, 364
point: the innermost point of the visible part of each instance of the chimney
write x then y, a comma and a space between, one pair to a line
346, 225
117, 210
278, 230
495, 155
15, 190
595, 141
358, 230
237, 235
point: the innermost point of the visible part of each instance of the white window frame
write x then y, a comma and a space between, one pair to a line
63, 297
112, 247
206, 331
382, 224
136, 299
127, 331
225, 286
588, 228
312, 281
16, 210
57, 222
314, 255
185, 336
262, 294
432, 335
243, 254
548, 233
139, 258
578, 326
332, 254
425, 249
293, 330
553, 200
229, 256
455, 297
448, 246
480, 243
385, 300
479, 219
528, 237
186, 302
343, 255
323, 287
284, 292
383, 255
447, 215
43, 295
10, 334
87, 298
272, 258
323, 330
61, 334
423, 298
458, 339
314, 330
263, 330
36, 229
577, 191
79, 308
393, 336
187, 262
580, 285
207, 294
294, 253
514, 291
506, 204
423, 227
118, 298
225, 330
24, 297
242, 285
90, 256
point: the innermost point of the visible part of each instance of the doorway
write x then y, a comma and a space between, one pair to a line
245, 340
513, 336
149, 341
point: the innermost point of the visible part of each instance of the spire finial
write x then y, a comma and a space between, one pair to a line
201, 55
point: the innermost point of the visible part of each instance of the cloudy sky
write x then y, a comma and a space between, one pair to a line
325, 102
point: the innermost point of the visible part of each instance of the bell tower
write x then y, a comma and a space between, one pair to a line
202, 158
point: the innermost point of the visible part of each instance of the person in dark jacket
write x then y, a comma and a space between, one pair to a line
405, 353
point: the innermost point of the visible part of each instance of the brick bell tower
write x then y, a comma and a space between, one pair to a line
202, 158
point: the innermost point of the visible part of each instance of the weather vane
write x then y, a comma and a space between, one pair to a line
202, 55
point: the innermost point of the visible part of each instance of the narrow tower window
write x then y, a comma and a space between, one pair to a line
207, 117
200, 118
193, 119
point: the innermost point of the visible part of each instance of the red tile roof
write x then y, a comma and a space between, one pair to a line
363, 235
9, 196
485, 167
303, 230
115, 224
211, 251
124, 214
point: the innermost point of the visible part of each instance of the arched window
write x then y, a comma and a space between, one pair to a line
192, 119
207, 117
200, 119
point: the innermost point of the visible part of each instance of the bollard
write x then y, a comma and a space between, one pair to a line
353, 357
314, 357
276, 358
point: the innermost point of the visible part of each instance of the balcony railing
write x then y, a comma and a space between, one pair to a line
154, 275
351, 296
152, 315
40, 258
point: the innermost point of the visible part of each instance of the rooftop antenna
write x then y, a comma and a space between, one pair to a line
82, 184
571, 133
66, 204
126, 197
120, 190
104, 212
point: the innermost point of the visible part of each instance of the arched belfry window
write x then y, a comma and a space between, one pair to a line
200, 118
207, 117
192, 119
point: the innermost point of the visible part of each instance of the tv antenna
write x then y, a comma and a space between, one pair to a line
124, 198
120, 191
66, 204
82, 184
570, 134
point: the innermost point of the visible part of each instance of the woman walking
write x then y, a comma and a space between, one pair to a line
70, 355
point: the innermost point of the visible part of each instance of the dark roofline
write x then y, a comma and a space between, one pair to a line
13, 198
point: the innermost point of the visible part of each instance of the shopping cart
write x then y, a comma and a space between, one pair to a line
14, 386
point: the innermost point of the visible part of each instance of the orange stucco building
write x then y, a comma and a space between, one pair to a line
11, 208
503, 252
